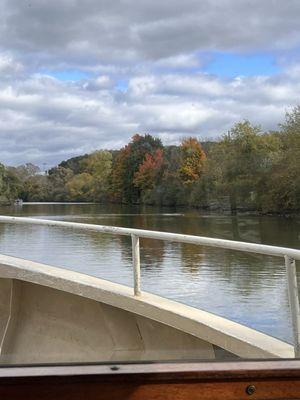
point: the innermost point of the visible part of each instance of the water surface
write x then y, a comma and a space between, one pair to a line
247, 288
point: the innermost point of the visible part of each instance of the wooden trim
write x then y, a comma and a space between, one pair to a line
177, 381
161, 370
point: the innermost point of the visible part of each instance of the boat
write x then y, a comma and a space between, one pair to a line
53, 315
18, 202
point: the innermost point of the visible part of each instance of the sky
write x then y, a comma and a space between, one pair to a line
81, 75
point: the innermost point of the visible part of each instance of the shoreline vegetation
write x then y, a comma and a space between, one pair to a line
245, 170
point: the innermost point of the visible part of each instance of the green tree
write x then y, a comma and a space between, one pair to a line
76, 164
23, 172
169, 190
80, 187
282, 192
117, 185
37, 188
99, 166
237, 163
58, 178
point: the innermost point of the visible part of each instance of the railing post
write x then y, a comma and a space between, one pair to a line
136, 264
290, 266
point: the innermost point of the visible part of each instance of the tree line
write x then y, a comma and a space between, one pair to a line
246, 169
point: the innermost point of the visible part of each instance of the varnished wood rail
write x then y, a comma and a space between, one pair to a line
259, 380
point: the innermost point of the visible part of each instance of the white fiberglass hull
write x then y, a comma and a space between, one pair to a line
51, 315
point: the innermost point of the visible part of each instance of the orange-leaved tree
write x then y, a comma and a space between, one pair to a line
149, 171
127, 164
193, 158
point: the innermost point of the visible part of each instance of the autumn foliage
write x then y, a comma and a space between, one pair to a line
193, 158
246, 169
148, 172
128, 162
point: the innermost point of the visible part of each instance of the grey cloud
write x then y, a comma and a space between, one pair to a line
65, 32
46, 120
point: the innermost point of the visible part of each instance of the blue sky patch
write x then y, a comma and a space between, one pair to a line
68, 75
122, 85
231, 65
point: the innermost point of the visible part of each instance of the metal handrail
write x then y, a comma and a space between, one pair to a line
289, 255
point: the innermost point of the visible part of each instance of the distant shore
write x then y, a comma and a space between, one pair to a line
205, 210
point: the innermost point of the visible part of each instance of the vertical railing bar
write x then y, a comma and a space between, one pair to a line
292, 284
136, 264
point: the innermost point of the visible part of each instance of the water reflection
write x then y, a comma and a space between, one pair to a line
152, 253
248, 288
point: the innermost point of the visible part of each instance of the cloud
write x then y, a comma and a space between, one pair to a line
68, 32
76, 76
9, 66
45, 120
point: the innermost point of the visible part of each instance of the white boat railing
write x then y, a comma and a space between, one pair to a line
289, 255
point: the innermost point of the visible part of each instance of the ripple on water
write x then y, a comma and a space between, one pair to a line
247, 288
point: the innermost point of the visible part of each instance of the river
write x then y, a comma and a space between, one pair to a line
247, 288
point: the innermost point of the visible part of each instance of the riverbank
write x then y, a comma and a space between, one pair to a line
209, 210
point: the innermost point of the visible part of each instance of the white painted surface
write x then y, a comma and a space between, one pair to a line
136, 263
155, 315
292, 284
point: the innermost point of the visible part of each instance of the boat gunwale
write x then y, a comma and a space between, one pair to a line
231, 336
